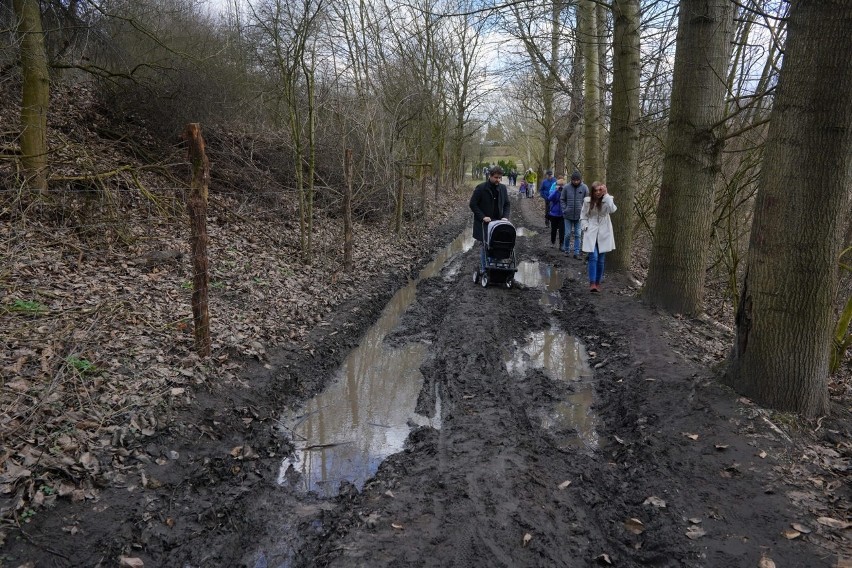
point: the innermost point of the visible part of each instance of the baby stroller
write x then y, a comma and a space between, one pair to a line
497, 258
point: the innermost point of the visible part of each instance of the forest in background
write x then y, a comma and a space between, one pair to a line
94, 175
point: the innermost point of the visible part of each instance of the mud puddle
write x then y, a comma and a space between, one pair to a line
564, 358
533, 274
345, 432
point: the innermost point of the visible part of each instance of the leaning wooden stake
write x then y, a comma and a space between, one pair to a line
347, 215
400, 186
196, 206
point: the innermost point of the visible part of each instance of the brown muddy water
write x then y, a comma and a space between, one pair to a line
345, 432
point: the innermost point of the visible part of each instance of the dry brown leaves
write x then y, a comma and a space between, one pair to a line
95, 312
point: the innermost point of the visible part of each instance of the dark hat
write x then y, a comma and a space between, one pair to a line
549, 172
576, 175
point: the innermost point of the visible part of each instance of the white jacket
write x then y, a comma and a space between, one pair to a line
597, 227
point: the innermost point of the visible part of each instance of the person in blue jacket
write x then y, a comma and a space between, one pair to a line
544, 189
557, 224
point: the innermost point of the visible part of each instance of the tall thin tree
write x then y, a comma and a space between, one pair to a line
592, 167
623, 158
691, 166
35, 94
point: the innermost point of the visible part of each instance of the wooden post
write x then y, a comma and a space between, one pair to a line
347, 214
196, 206
423, 190
400, 184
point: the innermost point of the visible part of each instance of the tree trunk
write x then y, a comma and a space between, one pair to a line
35, 94
691, 166
603, 72
592, 168
785, 314
623, 159
549, 80
308, 72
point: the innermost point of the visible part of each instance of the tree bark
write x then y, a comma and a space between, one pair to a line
623, 159
592, 168
691, 165
35, 94
785, 314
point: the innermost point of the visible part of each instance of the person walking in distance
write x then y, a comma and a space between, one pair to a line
598, 237
556, 223
531, 178
547, 185
490, 201
572, 198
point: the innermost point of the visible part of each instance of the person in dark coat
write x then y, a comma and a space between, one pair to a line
490, 201
572, 205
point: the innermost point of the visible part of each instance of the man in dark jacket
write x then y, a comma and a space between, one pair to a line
490, 201
572, 205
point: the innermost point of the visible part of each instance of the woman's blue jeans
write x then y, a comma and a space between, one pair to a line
596, 265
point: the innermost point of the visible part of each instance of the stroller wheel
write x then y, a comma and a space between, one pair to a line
509, 283
484, 280
476, 277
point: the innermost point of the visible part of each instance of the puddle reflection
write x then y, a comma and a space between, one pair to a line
537, 275
565, 358
524, 232
367, 412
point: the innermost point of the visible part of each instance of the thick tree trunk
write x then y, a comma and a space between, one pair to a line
623, 159
549, 86
566, 159
592, 167
785, 316
35, 94
691, 165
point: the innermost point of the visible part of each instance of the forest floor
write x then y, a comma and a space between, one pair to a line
660, 466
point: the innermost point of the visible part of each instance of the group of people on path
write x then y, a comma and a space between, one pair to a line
571, 210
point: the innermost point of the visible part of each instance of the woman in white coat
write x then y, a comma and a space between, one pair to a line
598, 238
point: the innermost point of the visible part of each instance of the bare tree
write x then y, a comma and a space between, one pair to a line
289, 40
35, 94
691, 168
593, 166
623, 159
784, 316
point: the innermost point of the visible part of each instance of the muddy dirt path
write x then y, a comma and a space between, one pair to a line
637, 459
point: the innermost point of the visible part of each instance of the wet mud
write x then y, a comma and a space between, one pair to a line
548, 427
